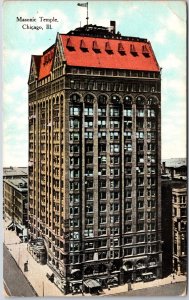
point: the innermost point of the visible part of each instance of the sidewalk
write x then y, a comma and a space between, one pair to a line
36, 274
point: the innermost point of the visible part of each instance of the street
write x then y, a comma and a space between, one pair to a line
175, 289
15, 282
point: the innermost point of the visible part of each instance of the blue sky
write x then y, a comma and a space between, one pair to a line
161, 22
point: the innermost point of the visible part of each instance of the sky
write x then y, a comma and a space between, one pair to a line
161, 22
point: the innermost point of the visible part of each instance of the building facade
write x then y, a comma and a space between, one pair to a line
15, 199
179, 203
95, 157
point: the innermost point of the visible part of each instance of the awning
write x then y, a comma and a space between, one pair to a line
91, 283
19, 226
75, 270
10, 225
147, 274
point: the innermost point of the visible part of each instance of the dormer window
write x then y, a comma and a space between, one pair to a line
108, 48
69, 45
145, 51
121, 49
133, 50
83, 46
96, 47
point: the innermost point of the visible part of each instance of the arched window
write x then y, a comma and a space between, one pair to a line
75, 98
140, 101
89, 99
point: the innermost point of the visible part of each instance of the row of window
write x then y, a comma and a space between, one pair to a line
114, 112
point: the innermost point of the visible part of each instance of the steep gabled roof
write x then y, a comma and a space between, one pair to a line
46, 62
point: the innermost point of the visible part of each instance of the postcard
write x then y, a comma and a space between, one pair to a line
94, 148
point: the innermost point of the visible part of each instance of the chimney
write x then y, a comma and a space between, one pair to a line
113, 25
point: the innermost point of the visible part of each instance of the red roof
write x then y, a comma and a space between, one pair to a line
93, 52
46, 62
109, 55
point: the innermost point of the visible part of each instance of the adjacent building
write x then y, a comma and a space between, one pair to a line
15, 196
95, 158
15, 172
179, 215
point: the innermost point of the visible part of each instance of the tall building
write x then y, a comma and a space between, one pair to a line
95, 157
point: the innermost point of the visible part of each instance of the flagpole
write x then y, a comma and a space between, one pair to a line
87, 14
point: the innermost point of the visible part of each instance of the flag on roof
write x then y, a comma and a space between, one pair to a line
82, 4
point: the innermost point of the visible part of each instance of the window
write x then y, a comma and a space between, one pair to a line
102, 231
128, 205
128, 240
128, 170
89, 159
89, 135
74, 111
102, 243
114, 219
114, 112
128, 228
140, 135
128, 135
74, 222
89, 196
89, 148
102, 195
127, 113
114, 172
140, 226
140, 193
114, 135
151, 226
140, 239
89, 172
114, 230
74, 123
128, 217
140, 204
128, 147
102, 135
89, 220
102, 147
89, 245
128, 251
74, 210
114, 124
74, 185
114, 195
102, 123
74, 149
102, 207
140, 250
89, 256
151, 135
102, 219
102, 159
140, 113
74, 136
102, 255
88, 111
141, 215
151, 113
114, 207
114, 183
114, 160
128, 193
74, 173
74, 161
89, 208
114, 148
102, 111
88, 124
102, 183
